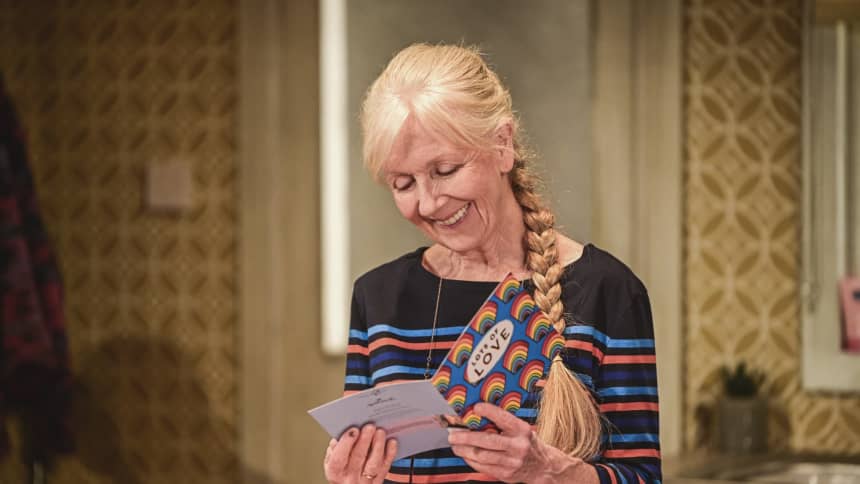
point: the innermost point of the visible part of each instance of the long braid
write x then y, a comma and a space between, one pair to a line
569, 419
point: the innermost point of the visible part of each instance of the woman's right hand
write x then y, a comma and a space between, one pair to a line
359, 456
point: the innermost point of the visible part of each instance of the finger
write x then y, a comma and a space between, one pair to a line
485, 456
486, 440
390, 453
387, 460
373, 466
340, 452
504, 420
359, 451
328, 450
503, 474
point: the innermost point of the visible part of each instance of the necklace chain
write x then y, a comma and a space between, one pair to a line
433, 331
429, 361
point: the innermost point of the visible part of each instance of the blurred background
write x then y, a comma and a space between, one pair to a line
168, 313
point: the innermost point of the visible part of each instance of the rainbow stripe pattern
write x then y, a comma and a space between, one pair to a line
530, 375
442, 379
507, 289
516, 356
523, 306
511, 402
461, 350
553, 346
485, 318
500, 365
472, 419
456, 397
493, 388
538, 327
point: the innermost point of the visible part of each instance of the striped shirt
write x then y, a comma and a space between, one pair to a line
609, 345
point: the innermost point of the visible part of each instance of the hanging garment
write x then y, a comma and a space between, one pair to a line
35, 381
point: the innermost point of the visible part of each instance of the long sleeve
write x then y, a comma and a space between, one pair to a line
357, 353
626, 387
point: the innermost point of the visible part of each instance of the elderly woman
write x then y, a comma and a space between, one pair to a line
440, 133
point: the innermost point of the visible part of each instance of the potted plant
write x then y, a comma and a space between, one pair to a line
741, 412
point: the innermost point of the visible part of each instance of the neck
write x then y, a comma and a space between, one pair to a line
500, 254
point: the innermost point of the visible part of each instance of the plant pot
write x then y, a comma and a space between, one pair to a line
741, 425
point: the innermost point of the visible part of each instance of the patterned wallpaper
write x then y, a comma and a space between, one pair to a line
742, 81
104, 88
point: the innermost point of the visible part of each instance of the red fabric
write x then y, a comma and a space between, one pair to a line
35, 380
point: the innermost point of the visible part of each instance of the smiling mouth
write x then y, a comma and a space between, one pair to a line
458, 215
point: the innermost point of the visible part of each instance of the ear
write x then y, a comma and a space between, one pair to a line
505, 145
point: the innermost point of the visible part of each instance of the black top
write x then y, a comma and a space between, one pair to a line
609, 346
596, 288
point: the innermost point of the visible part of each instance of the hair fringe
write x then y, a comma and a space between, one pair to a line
449, 89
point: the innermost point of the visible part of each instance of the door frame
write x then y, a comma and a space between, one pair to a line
637, 171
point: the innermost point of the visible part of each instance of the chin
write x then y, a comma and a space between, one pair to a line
460, 239
460, 244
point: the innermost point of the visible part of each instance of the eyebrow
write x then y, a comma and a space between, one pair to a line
442, 158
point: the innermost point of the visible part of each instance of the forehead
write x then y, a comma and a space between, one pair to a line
415, 148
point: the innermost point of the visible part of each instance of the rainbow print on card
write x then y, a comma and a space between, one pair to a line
500, 357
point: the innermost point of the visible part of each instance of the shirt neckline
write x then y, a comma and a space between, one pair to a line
419, 260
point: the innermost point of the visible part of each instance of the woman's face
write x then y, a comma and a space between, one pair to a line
453, 195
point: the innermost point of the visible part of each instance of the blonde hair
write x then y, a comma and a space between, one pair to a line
452, 92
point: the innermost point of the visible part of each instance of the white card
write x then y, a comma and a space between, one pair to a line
409, 412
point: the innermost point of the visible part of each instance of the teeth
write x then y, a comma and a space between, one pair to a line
456, 217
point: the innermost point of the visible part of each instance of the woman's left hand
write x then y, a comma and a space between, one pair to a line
514, 455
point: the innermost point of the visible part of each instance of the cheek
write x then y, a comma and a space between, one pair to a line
406, 206
487, 194
480, 185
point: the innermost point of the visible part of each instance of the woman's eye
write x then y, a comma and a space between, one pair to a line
402, 183
447, 170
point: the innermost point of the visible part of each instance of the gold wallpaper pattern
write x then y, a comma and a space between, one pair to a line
742, 81
105, 88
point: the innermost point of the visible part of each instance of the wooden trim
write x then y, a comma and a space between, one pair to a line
638, 171
279, 238
659, 151
262, 241
612, 194
831, 11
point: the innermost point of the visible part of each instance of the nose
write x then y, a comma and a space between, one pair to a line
428, 200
